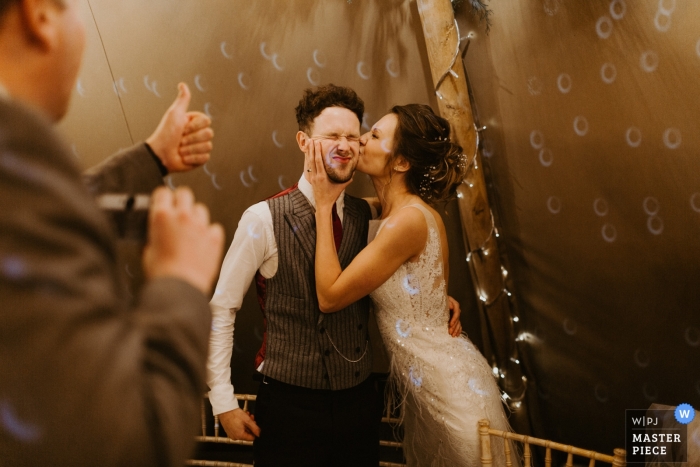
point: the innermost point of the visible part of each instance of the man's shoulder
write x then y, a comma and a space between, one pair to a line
260, 209
18, 120
357, 206
286, 200
26, 133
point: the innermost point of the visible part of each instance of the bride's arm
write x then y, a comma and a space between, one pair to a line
402, 238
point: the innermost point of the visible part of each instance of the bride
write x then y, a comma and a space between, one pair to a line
447, 385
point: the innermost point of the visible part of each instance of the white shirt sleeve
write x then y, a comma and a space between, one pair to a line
253, 248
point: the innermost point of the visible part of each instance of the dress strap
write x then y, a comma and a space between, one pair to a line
429, 217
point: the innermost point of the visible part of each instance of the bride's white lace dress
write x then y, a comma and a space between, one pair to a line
446, 383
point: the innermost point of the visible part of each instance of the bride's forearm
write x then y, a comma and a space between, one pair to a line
327, 264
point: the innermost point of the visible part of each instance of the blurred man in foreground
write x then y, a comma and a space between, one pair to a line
84, 380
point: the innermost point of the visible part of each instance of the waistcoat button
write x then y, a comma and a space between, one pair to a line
322, 330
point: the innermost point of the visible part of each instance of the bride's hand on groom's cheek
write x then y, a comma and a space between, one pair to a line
240, 425
326, 192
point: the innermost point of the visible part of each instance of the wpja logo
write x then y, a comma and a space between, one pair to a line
657, 435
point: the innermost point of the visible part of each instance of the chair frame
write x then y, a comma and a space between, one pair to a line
217, 438
485, 434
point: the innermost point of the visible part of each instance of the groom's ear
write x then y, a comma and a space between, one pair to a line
302, 138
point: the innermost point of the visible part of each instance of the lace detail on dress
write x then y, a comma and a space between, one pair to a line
446, 384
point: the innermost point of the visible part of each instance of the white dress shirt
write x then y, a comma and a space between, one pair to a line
253, 249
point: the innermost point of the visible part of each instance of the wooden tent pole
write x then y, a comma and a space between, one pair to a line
442, 43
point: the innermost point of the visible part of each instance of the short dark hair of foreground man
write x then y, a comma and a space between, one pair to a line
84, 380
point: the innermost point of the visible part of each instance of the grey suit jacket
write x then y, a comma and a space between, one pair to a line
84, 380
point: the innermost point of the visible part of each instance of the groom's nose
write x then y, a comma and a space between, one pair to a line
343, 146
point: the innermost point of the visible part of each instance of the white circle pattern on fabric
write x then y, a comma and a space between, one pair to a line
276, 141
222, 47
276, 62
600, 207
536, 139
609, 233
641, 358
662, 21
667, 6
618, 8
672, 138
554, 205
473, 385
151, 86
241, 81
263, 52
569, 327
546, 157
198, 83
581, 125
534, 86
655, 225
604, 27
361, 72
633, 137
695, 202
601, 392
551, 7
79, 88
651, 393
403, 329
564, 83
392, 69
649, 60
313, 76
651, 206
280, 181
608, 73
692, 336
319, 59
207, 110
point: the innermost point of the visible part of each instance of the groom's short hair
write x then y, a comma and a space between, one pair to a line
315, 100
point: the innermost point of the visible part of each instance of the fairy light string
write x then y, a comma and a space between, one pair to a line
513, 401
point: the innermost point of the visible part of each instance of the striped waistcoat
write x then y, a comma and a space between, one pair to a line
305, 347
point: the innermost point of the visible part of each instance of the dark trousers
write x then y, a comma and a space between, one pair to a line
317, 427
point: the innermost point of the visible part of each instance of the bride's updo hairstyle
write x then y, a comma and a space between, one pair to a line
438, 166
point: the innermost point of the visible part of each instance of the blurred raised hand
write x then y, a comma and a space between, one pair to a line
182, 243
183, 139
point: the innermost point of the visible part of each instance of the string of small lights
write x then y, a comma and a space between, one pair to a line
514, 401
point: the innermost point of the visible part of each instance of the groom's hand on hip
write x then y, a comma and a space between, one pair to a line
455, 325
239, 425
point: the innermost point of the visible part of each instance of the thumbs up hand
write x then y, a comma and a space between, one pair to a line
182, 140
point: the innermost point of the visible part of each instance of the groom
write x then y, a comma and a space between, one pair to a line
316, 405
